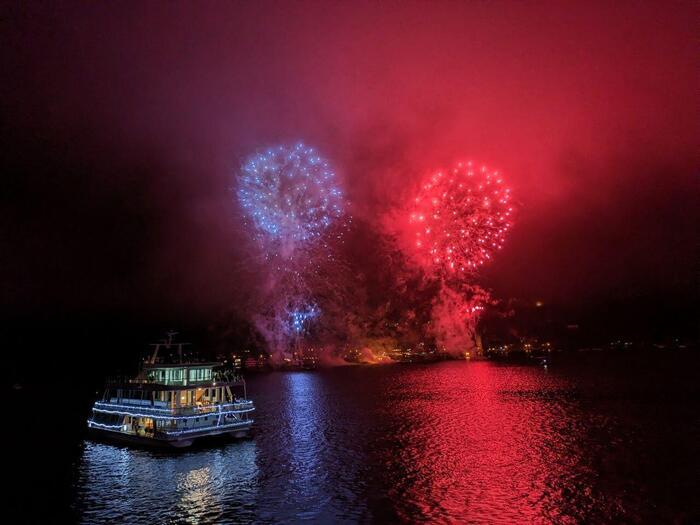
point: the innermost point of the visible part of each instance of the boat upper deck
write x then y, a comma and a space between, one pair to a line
162, 410
177, 377
169, 368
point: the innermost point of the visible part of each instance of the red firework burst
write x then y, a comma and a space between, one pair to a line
460, 218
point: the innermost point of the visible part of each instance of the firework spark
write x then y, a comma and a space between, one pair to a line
300, 317
457, 222
460, 218
290, 196
295, 209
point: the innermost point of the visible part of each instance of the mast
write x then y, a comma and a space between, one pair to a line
167, 343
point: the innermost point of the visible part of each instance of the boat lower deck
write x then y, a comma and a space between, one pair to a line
180, 439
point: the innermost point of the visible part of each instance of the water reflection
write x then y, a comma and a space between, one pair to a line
475, 443
292, 455
306, 427
454, 442
119, 484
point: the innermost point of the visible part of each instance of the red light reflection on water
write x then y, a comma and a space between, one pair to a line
484, 443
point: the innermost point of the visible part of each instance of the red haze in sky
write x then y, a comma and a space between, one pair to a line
124, 123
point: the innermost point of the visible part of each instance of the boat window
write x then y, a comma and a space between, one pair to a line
170, 375
199, 374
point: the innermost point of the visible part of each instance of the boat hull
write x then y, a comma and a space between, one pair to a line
171, 442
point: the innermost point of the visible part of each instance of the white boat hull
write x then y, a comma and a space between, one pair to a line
172, 441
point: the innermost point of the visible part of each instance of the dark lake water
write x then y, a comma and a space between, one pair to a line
593, 439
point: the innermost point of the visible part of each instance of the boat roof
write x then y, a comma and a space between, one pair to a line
135, 384
189, 364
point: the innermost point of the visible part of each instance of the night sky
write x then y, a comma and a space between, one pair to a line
123, 125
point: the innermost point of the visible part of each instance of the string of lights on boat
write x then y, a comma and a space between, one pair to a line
171, 417
176, 432
168, 410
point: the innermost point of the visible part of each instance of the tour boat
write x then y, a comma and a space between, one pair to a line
173, 403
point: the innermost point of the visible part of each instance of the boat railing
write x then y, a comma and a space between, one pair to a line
124, 406
217, 380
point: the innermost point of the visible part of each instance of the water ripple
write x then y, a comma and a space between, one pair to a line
467, 442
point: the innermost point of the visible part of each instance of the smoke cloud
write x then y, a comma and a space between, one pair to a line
124, 127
